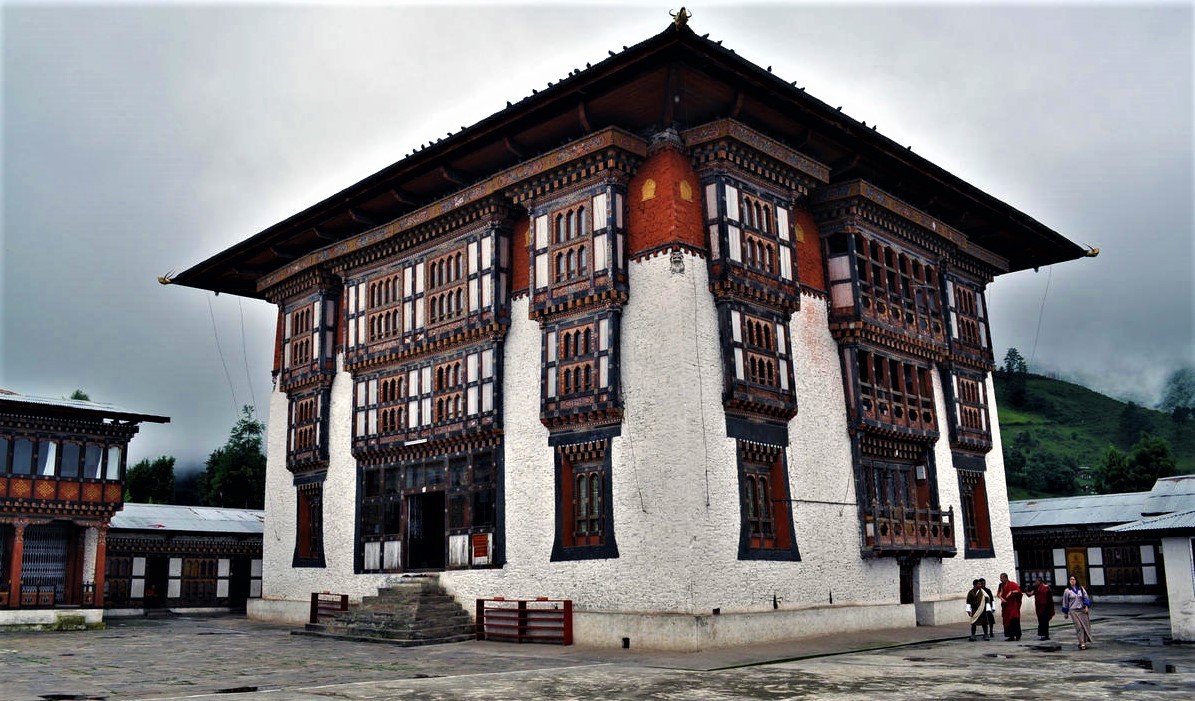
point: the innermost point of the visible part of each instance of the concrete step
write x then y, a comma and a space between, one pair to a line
415, 611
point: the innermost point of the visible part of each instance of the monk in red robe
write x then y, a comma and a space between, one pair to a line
1010, 596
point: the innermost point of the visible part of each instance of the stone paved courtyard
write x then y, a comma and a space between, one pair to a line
232, 658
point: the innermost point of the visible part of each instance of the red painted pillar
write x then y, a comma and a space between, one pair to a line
101, 557
14, 564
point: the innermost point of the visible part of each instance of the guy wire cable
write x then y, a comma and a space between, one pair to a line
1040, 313
220, 351
245, 355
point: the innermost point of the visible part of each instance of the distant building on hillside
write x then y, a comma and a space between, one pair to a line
62, 468
672, 339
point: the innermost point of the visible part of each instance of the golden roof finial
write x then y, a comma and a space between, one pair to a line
680, 18
166, 279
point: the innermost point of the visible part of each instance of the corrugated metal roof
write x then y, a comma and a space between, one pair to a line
1183, 520
13, 398
1171, 494
209, 519
1074, 511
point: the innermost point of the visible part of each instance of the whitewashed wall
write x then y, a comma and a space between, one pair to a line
1180, 586
675, 487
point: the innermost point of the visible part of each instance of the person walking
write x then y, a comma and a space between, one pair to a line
1076, 605
1043, 605
989, 616
1009, 593
979, 602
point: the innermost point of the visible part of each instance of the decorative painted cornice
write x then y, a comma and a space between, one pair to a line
869, 193
609, 138
387, 454
728, 141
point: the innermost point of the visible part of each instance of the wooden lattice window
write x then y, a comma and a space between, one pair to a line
763, 492
895, 391
199, 579
968, 317
1122, 565
759, 346
584, 494
309, 533
977, 530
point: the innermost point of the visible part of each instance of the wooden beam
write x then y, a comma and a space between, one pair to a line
402, 198
583, 117
844, 164
668, 113
322, 235
738, 104
283, 253
515, 150
360, 218
453, 176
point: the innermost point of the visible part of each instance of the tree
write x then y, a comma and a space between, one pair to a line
80, 395
151, 482
1132, 424
1180, 390
235, 474
1015, 371
1014, 363
1055, 475
186, 488
1149, 461
1112, 474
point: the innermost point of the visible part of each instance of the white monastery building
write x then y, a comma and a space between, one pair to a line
671, 339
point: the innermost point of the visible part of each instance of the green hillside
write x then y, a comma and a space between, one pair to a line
1058, 427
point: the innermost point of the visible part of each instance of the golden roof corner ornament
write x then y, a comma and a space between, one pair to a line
1092, 252
166, 279
680, 18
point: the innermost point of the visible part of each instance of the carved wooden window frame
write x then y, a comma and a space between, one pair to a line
977, 527
766, 524
584, 522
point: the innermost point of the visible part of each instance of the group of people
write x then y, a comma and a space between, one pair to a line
981, 605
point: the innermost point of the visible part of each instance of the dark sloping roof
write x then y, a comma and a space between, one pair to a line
12, 403
674, 78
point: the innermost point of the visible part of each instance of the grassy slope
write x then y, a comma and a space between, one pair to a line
1068, 419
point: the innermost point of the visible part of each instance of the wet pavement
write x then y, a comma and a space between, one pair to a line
226, 657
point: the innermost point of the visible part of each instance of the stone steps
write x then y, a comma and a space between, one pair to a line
415, 611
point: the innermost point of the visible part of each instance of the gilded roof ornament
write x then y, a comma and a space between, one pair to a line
680, 18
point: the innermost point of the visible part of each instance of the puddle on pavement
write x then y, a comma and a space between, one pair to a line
1153, 665
1146, 641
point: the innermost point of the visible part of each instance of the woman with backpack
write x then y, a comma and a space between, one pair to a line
1076, 605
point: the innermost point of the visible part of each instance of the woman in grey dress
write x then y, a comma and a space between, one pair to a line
1075, 606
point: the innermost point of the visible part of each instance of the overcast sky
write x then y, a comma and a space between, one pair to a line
144, 139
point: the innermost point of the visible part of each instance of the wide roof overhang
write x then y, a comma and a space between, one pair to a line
675, 78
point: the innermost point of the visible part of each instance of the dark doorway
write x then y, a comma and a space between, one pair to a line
425, 531
157, 578
906, 581
238, 584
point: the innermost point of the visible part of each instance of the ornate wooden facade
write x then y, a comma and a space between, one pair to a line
411, 298
62, 466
